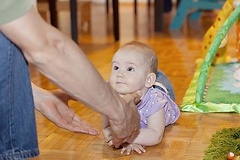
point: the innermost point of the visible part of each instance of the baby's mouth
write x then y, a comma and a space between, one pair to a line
120, 83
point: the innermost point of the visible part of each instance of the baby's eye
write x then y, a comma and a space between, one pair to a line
115, 67
131, 69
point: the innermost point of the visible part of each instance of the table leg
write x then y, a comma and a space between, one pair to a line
158, 15
115, 20
74, 26
53, 12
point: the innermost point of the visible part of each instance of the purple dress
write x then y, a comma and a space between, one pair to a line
153, 101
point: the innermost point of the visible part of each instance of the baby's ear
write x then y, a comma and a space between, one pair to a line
150, 80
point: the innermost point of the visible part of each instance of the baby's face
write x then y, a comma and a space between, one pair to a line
129, 72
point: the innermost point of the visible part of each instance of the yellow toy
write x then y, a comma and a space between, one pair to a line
238, 41
220, 57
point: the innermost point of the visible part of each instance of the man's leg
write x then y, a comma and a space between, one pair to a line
18, 136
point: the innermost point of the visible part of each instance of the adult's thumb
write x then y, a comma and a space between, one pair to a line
136, 97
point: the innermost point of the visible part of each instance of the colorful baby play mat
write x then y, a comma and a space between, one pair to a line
214, 87
221, 93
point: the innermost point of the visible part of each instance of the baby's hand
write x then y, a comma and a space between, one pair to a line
128, 148
236, 3
108, 136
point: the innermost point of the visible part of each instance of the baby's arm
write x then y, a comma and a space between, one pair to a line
149, 136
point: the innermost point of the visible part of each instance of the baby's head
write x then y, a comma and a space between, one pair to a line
134, 68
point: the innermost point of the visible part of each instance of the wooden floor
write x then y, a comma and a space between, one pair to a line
177, 51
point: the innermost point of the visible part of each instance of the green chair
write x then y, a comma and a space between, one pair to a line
193, 8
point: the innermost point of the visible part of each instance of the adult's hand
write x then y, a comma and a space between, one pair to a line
53, 105
128, 126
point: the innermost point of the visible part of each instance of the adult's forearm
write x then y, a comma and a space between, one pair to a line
62, 61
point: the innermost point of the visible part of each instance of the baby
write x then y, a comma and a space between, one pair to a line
135, 69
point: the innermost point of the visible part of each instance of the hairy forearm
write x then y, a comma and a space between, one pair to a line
147, 137
62, 61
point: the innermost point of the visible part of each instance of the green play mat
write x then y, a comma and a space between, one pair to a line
211, 89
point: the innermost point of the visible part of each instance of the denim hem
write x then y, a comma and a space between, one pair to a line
20, 155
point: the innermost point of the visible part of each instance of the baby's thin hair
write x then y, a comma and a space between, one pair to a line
149, 52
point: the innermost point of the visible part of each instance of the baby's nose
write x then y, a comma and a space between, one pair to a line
120, 74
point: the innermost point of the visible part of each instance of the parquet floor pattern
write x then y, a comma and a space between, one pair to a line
177, 51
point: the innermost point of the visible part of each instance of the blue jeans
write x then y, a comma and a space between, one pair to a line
18, 135
162, 78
